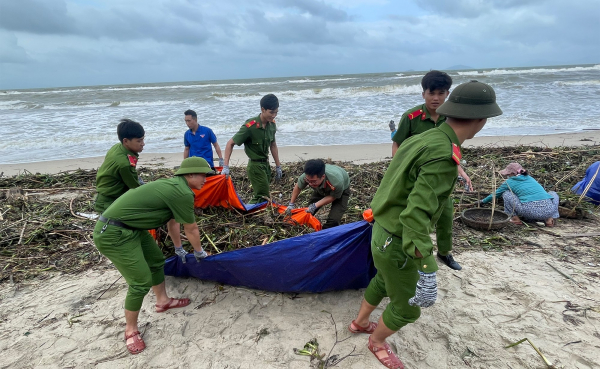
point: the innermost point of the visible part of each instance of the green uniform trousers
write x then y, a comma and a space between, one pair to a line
443, 228
103, 202
259, 174
396, 278
338, 208
136, 256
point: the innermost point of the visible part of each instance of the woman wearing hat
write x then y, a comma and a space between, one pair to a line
524, 197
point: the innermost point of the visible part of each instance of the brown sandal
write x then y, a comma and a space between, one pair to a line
179, 304
370, 328
392, 361
136, 345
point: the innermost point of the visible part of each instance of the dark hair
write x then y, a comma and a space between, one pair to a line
436, 80
192, 113
314, 167
129, 129
269, 102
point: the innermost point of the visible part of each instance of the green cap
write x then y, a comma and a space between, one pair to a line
471, 100
193, 165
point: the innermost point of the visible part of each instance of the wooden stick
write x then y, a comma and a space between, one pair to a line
22, 232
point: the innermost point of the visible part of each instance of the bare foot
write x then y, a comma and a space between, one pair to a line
515, 220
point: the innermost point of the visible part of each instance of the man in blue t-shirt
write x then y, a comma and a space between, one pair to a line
197, 140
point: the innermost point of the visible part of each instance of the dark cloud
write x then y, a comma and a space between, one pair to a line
35, 16
171, 22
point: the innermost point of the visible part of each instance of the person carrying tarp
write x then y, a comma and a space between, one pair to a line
406, 207
258, 137
590, 184
330, 184
118, 173
120, 235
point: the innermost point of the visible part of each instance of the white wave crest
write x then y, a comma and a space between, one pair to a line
497, 72
328, 93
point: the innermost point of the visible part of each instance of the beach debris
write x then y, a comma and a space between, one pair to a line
47, 225
549, 364
322, 361
564, 275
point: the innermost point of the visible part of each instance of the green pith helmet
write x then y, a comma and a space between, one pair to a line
471, 100
193, 165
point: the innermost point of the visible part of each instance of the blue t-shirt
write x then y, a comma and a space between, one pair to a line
200, 143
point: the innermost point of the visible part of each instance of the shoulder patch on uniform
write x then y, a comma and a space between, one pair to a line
250, 124
328, 184
132, 160
415, 114
456, 156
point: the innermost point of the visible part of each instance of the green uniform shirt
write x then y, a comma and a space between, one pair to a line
117, 174
415, 121
336, 181
415, 189
154, 204
256, 137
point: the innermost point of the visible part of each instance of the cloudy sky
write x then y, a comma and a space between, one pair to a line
50, 43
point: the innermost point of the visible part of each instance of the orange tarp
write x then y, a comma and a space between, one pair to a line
219, 191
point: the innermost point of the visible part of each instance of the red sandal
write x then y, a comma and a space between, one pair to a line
135, 343
370, 328
169, 305
391, 361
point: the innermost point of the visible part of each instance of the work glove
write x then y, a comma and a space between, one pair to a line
426, 292
225, 170
221, 162
199, 255
288, 210
278, 172
312, 208
179, 251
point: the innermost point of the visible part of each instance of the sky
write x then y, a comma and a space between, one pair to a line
55, 43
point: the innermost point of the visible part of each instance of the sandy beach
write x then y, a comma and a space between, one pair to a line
358, 153
548, 292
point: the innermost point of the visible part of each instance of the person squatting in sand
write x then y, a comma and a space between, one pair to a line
330, 184
524, 197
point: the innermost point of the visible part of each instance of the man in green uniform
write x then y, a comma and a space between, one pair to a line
330, 184
436, 86
120, 235
258, 136
408, 203
117, 174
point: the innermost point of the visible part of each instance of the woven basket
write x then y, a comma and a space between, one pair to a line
479, 218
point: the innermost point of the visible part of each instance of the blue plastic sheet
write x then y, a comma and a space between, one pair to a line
337, 258
593, 192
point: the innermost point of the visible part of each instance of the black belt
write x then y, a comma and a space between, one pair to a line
116, 223
260, 160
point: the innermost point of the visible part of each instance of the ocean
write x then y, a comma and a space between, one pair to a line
76, 122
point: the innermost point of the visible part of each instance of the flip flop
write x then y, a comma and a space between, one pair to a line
368, 329
392, 361
180, 303
135, 343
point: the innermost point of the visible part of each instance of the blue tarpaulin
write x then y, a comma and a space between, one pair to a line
591, 175
337, 258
